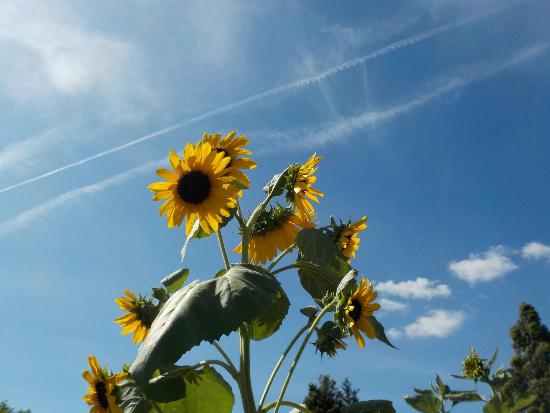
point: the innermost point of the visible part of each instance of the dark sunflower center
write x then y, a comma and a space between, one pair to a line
194, 187
355, 314
101, 390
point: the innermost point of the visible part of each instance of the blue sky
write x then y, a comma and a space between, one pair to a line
431, 116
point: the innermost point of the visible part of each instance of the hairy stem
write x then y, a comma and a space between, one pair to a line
279, 364
220, 349
280, 257
222, 248
300, 351
247, 395
285, 403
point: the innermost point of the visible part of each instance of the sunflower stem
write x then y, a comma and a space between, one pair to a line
280, 257
247, 395
218, 347
232, 371
300, 351
222, 248
285, 268
297, 406
279, 364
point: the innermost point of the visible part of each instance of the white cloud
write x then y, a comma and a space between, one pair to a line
535, 251
394, 333
389, 306
421, 288
483, 267
439, 323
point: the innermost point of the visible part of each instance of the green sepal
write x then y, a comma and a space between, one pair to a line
379, 331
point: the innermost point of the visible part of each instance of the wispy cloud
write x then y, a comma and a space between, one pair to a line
394, 333
342, 129
420, 289
390, 306
438, 323
483, 267
310, 80
27, 217
536, 251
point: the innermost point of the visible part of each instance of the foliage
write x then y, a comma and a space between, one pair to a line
325, 397
530, 365
204, 189
5, 408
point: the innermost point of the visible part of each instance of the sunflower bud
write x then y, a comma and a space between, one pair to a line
329, 339
473, 366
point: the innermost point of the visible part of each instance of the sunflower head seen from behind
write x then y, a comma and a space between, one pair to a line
197, 188
101, 388
232, 146
139, 317
299, 189
347, 236
357, 309
274, 230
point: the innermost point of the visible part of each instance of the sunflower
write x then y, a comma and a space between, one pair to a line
329, 339
299, 186
359, 307
234, 149
347, 238
100, 392
275, 229
139, 318
198, 188
474, 367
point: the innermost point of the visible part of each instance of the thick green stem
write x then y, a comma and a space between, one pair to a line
279, 364
300, 351
247, 394
285, 403
280, 257
222, 248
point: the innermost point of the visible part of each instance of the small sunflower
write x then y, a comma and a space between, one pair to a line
359, 307
233, 148
474, 367
102, 384
347, 238
140, 316
275, 229
299, 186
329, 339
197, 188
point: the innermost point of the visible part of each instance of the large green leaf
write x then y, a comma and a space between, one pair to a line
425, 402
271, 319
463, 396
210, 394
371, 406
174, 281
131, 400
318, 246
276, 185
203, 310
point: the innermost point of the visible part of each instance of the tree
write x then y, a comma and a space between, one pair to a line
5, 408
327, 398
530, 366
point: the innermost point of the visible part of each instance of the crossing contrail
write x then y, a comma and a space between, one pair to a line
408, 41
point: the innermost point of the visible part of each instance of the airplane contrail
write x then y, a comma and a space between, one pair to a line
408, 41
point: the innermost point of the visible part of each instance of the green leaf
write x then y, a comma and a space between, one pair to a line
131, 400
443, 388
379, 330
348, 284
491, 362
276, 185
371, 406
426, 402
271, 319
203, 310
166, 388
463, 396
522, 404
310, 312
317, 246
210, 394
174, 281
494, 406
